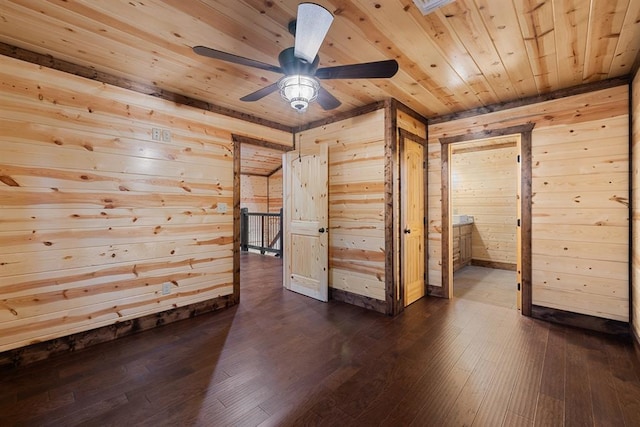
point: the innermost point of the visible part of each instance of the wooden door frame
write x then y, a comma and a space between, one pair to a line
236, 218
237, 141
402, 137
525, 132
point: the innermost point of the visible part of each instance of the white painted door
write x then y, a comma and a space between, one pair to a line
306, 243
412, 240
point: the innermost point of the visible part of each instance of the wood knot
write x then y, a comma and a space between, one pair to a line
6, 179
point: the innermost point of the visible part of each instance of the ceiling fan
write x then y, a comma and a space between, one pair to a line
299, 64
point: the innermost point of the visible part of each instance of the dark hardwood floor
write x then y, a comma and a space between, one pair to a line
283, 359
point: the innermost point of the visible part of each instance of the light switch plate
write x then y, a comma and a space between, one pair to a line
166, 288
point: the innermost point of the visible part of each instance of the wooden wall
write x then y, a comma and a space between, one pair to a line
356, 201
484, 184
275, 191
254, 193
261, 193
635, 188
96, 216
580, 237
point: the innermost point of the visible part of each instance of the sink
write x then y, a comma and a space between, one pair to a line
462, 219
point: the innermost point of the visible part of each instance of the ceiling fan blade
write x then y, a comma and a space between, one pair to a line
326, 100
368, 70
229, 57
312, 24
260, 93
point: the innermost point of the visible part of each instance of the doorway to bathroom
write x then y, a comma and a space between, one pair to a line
486, 217
484, 195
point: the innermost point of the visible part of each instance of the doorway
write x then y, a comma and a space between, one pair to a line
257, 201
522, 283
484, 190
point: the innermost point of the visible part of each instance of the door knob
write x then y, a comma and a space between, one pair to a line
407, 231
322, 230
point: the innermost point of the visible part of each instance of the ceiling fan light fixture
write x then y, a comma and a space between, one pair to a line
299, 90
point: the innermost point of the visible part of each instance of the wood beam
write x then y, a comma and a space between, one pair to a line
274, 171
343, 116
390, 151
237, 155
261, 143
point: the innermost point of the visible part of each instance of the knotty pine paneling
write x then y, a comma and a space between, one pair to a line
570, 152
260, 160
580, 191
95, 215
254, 193
411, 124
275, 191
356, 201
635, 191
484, 185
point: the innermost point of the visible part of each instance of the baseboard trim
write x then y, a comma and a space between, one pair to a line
435, 291
358, 300
494, 264
43, 350
584, 321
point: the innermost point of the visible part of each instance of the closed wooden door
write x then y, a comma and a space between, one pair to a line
412, 217
306, 248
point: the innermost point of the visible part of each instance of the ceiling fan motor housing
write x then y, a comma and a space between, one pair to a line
292, 65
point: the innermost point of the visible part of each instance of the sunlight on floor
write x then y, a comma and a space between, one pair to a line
487, 285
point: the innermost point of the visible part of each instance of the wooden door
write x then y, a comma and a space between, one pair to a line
306, 248
412, 220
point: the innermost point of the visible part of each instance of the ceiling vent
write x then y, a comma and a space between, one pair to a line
428, 6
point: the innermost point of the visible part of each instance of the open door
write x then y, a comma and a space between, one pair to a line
412, 220
306, 238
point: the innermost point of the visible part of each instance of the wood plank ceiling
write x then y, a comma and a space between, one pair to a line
260, 161
467, 54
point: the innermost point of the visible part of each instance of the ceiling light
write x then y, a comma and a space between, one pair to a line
299, 90
428, 6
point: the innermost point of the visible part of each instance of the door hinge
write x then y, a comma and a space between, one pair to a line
518, 286
518, 158
518, 222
